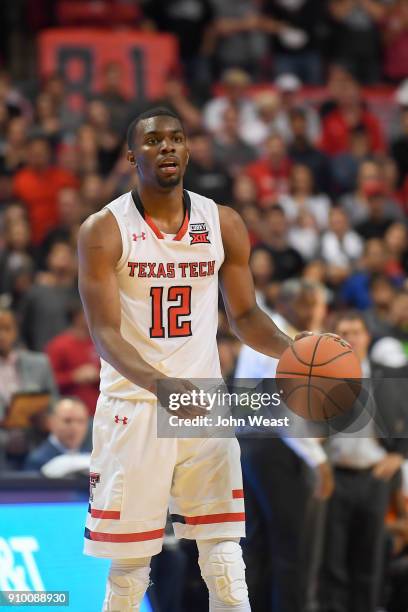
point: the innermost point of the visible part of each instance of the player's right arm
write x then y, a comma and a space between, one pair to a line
99, 250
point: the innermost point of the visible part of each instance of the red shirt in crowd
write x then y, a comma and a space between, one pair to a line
39, 191
271, 181
68, 352
336, 133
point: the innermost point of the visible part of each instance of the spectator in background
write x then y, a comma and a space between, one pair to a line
395, 38
356, 204
13, 154
46, 119
238, 41
191, 22
230, 150
54, 87
71, 213
108, 143
267, 119
302, 151
176, 97
341, 247
68, 423
377, 221
303, 198
295, 28
111, 94
44, 310
399, 148
366, 469
392, 350
377, 317
289, 88
21, 371
270, 174
396, 240
287, 261
354, 39
281, 547
349, 113
16, 103
263, 270
38, 184
204, 173
355, 291
74, 360
304, 235
16, 253
235, 84
344, 166
93, 194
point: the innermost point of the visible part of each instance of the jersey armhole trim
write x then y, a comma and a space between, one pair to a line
125, 250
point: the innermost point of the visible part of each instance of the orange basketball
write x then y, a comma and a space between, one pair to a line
319, 377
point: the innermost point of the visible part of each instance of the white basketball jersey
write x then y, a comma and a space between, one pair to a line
168, 292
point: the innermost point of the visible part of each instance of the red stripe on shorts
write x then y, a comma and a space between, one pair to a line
238, 493
105, 514
142, 536
206, 519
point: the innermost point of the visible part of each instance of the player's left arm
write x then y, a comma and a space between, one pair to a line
249, 323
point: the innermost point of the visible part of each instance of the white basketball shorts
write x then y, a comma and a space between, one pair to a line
136, 477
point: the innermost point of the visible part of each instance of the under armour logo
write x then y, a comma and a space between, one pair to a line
123, 420
136, 236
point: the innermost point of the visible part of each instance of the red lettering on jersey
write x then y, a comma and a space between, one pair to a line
161, 271
132, 265
171, 273
151, 273
193, 269
183, 267
202, 268
142, 269
211, 268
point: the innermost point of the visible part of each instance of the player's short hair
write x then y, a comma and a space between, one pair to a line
157, 111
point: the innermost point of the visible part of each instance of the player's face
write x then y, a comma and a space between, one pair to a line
160, 151
356, 334
70, 423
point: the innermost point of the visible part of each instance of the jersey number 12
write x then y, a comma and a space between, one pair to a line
182, 308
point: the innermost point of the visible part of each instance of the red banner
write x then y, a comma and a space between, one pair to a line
80, 56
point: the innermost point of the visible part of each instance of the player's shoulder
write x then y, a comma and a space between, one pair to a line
98, 223
104, 221
230, 220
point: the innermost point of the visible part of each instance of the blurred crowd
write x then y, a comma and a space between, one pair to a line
280, 102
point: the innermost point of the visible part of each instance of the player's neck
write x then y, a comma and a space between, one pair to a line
161, 204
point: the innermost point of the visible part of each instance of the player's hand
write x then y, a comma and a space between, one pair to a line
171, 390
388, 466
325, 481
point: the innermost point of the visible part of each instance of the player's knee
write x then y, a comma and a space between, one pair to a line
223, 570
126, 587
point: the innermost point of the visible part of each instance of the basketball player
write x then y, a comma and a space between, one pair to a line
149, 264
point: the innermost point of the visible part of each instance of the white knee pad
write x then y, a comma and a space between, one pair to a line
127, 583
223, 570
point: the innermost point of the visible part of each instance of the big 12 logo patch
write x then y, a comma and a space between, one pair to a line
199, 233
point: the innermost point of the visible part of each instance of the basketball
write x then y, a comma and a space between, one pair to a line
319, 377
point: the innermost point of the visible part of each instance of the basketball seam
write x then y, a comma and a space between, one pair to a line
298, 374
310, 374
325, 395
318, 364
